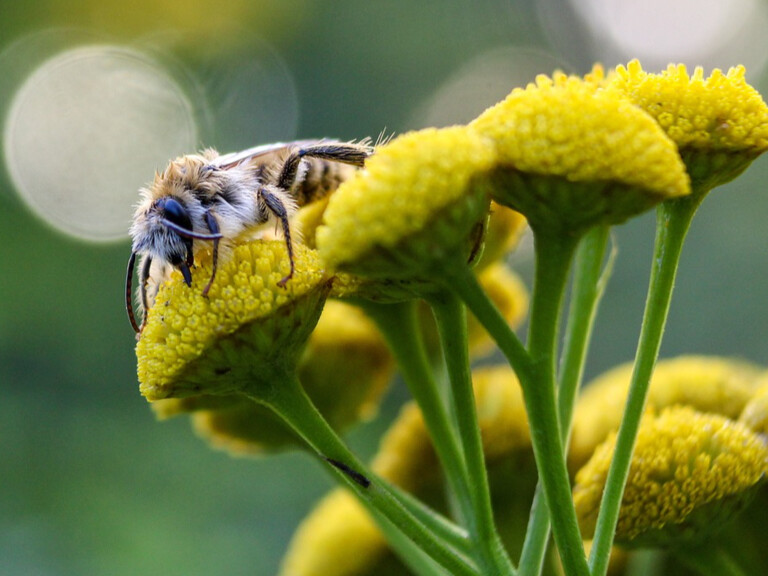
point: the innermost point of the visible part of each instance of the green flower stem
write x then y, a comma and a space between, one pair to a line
589, 281
588, 286
536, 371
673, 219
399, 325
456, 536
451, 318
288, 400
709, 559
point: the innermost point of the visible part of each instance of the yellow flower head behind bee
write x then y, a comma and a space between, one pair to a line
416, 200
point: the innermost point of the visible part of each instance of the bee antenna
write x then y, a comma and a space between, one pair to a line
129, 292
190, 233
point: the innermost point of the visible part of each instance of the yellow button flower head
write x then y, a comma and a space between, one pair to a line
720, 123
690, 472
707, 383
234, 338
418, 199
571, 155
344, 370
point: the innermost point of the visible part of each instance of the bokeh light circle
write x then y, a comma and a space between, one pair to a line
482, 82
86, 129
707, 33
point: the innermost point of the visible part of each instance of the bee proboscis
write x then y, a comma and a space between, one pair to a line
208, 198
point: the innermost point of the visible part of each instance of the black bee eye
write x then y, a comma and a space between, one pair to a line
173, 211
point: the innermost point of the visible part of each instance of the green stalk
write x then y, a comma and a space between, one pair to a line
289, 401
589, 281
442, 527
536, 371
399, 325
673, 219
451, 318
588, 286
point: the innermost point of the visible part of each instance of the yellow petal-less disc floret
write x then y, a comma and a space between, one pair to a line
571, 155
193, 345
417, 199
706, 383
719, 123
690, 472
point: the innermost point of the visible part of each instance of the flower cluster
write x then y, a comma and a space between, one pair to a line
388, 266
693, 469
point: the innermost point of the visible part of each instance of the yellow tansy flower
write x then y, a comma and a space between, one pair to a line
222, 344
571, 155
689, 473
417, 200
719, 123
344, 370
708, 384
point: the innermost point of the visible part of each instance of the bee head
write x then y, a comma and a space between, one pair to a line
174, 216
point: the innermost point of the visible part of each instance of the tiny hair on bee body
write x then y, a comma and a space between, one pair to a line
207, 200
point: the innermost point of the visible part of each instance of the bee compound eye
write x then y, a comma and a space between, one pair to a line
174, 211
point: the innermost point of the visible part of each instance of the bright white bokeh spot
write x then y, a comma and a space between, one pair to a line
711, 33
87, 129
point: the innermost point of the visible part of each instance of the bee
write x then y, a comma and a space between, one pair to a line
211, 199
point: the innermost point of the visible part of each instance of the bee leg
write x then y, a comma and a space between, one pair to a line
143, 278
276, 206
129, 292
344, 152
213, 227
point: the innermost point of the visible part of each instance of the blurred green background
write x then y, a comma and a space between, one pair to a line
89, 482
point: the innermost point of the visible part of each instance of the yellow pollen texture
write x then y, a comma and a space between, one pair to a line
183, 322
683, 460
403, 186
721, 112
568, 127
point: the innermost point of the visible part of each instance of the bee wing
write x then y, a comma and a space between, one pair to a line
262, 155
